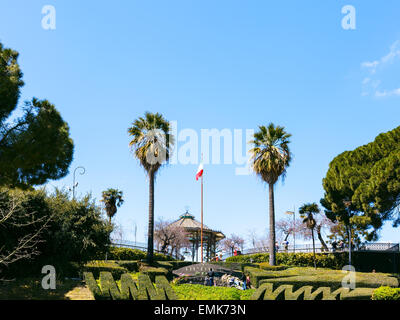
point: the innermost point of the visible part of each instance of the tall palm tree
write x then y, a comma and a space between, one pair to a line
112, 199
307, 212
152, 145
270, 158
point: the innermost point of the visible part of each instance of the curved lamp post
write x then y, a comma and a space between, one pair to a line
347, 204
75, 184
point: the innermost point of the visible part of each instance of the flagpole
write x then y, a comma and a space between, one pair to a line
202, 218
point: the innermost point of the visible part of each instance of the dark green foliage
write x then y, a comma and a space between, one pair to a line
386, 293
152, 272
369, 176
10, 81
163, 284
75, 231
267, 266
108, 286
129, 289
147, 290
288, 292
131, 266
36, 146
92, 285
96, 267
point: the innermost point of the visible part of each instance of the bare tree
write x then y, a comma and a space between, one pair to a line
233, 242
170, 239
13, 215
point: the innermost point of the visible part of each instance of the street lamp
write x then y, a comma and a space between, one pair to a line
347, 204
294, 227
74, 185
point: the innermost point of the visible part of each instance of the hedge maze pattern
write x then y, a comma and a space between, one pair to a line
128, 289
285, 292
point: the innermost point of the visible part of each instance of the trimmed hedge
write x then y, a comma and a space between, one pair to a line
96, 267
128, 289
388, 262
330, 260
386, 293
267, 266
287, 292
116, 253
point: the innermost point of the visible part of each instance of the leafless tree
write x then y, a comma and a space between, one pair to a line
12, 215
170, 239
232, 243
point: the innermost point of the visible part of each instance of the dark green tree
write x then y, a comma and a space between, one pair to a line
369, 177
112, 198
270, 157
36, 146
152, 145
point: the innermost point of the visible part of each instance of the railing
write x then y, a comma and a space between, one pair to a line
395, 247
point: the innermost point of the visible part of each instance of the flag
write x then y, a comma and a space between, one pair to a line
199, 171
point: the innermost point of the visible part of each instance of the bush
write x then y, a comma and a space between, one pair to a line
386, 293
152, 272
116, 253
330, 260
201, 292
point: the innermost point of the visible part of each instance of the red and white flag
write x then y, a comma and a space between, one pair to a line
199, 171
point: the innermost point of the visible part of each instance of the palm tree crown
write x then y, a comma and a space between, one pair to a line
151, 141
112, 199
271, 155
307, 213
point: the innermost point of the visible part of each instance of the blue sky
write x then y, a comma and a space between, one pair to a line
230, 64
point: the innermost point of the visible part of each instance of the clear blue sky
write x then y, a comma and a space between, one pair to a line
210, 64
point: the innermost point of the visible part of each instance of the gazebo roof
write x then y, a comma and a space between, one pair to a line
190, 224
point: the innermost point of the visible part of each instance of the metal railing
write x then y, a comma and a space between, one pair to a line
306, 248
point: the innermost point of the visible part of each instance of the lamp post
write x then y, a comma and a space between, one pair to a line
347, 204
294, 227
74, 185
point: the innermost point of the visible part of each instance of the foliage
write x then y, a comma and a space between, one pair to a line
112, 198
200, 292
369, 176
268, 291
128, 288
36, 146
115, 253
170, 238
267, 266
386, 293
74, 232
97, 266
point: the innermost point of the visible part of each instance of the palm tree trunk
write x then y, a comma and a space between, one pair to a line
272, 236
313, 246
319, 235
150, 233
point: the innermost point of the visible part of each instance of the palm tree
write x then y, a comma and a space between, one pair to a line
269, 159
112, 199
152, 145
307, 212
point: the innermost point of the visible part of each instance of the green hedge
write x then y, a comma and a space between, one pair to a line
267, 266
386, 293
332, 261
128, 289
116, 253
271, 291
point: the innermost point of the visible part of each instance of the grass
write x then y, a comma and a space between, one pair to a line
200, 292
31, 289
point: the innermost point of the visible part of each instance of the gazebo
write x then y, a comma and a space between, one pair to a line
193, 228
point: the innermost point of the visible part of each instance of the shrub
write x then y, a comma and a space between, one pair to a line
131, 266
152, 272
201, 292
117, 253
386, 293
